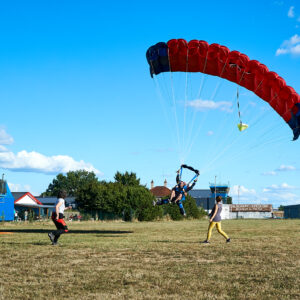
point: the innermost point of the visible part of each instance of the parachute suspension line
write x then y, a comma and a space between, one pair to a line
162, 103
254, 149
191, 144
223, 69
203, 78
175, 110
260, 143
205, 62
228, 146
212, 98
219, 155
258, 86
185, 102
214, 94
238, 103
240, 155
259, 117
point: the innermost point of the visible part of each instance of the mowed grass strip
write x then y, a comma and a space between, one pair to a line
157, 260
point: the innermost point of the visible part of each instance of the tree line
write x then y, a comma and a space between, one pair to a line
124, 197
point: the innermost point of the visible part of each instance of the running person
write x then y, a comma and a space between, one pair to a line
58, 217
215, 220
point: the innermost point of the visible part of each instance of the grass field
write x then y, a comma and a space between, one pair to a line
158, 260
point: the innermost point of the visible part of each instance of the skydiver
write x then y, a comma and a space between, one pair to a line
178, 194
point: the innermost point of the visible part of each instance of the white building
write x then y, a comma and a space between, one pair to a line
246, 211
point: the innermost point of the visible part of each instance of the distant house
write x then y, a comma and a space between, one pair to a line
52, 201
26, 201
42, 206
292, 211
160, 192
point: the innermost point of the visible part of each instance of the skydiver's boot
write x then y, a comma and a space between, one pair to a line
181, 208
161, 202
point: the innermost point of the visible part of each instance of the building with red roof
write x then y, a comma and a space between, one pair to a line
160, 191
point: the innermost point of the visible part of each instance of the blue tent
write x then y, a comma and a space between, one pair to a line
6, 202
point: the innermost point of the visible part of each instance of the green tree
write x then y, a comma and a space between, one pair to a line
281, 207
129, 200
229, 200
70, 182
191, 208
128, 179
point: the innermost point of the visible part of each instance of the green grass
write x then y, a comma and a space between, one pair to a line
158, 260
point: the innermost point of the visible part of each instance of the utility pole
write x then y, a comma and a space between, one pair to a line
2, 187
215, 188
238, 201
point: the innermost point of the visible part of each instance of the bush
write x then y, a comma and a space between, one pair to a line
125, 201
191, 209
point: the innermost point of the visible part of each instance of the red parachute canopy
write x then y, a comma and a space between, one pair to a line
217, 60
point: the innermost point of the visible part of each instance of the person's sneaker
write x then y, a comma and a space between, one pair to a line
51, 236
228, 240
205, 242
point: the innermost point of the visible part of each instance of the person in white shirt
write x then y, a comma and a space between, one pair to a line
58, 217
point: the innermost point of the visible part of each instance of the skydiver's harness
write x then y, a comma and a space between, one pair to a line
178, 190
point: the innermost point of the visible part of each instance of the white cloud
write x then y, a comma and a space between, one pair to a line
291, 12
282, 194
5, 138
291, 46
3, 149
242, 191
274, 188
284, 168
204, 105
275, 194
295, 39
270, 173
281, 51
15, 187
33, 161
295, 50
209, 133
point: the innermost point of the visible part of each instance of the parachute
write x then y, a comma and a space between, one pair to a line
178, 55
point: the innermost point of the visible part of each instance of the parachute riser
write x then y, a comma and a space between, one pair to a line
195, 177
190, 168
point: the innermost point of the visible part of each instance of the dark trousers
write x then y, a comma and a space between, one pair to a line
167, 201
60, 225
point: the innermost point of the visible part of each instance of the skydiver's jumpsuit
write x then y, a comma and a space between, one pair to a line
178, 191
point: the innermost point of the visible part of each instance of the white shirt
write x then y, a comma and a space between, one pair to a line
62, 207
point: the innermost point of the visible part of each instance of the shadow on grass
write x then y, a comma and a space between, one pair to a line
113, 232
177, 242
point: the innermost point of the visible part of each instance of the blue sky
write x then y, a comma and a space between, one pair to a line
76, 93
